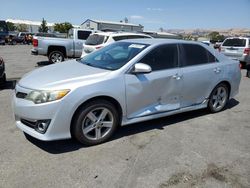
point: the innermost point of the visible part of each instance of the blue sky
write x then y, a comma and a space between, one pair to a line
152, 14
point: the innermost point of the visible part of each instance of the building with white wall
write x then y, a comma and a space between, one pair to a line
111, 26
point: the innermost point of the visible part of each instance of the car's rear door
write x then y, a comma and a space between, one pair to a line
201, 71
158, 91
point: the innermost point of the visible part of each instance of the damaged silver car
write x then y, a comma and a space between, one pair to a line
123, 83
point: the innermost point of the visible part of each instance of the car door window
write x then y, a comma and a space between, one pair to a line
162, 57
194, 54
83, 35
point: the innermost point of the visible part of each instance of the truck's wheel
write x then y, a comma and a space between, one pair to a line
56, 57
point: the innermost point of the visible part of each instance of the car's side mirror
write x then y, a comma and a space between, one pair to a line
141, 68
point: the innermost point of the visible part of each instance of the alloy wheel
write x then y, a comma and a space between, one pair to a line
97, 123
219, 98
56, 57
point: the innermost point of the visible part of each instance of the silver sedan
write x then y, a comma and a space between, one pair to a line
123, 83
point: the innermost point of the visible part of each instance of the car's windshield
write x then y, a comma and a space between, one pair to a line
114, 56
235, 42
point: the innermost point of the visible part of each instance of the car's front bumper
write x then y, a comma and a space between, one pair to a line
56, 112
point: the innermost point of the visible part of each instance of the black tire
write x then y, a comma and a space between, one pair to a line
56, 57
82, 122
217, 96
3, 80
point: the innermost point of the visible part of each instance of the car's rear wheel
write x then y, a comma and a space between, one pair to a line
56, 57
218, 98
95, 122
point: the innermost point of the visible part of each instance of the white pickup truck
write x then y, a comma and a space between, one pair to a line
58, 48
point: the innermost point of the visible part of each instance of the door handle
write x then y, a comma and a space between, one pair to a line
177, 77
217, 70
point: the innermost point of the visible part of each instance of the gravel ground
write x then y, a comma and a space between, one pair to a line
194, 149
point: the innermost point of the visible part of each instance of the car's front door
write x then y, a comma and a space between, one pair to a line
157, 91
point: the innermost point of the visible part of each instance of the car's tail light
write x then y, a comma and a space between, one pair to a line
240, 65
247, 51
98, 47
35, 42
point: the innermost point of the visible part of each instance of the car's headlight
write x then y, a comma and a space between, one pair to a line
46, 96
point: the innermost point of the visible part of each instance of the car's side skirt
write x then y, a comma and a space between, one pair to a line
127, 121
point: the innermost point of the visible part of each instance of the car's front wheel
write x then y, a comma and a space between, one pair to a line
218, 98
95, 122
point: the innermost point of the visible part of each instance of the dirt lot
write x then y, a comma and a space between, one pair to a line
194, 149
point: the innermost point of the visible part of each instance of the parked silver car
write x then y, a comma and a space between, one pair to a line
123, 83
237, 48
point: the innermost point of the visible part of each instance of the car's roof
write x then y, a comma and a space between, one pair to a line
237, 38
118, 34
160, 41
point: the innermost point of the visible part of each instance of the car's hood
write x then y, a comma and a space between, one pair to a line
61, 75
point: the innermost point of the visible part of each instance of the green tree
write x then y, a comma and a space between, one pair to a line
11, 26
22, 28
63, 27
188, 37
215, 36
43, 28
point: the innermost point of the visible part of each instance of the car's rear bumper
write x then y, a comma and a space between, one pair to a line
244, 58
34, 52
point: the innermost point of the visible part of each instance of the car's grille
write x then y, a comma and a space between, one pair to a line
28, 123
21, 95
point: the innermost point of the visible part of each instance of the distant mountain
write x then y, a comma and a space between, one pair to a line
204, 32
